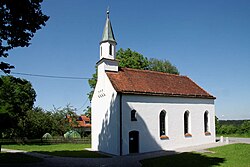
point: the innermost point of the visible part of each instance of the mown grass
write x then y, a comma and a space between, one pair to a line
63, 150
233, 155
17, 158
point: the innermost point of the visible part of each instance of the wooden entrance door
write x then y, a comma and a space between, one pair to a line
134, 142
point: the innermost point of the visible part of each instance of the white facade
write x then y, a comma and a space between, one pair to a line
104, 112
148, 110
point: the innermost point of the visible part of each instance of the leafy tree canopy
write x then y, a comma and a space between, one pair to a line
36, 123
16, 97
88, 112
162, 66
19, 21
92, 83
63, 119
131, 59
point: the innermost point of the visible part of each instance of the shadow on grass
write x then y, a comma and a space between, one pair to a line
76, 154
17, 158
183, 159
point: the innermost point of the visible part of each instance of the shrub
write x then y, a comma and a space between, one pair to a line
47, 136
72, 135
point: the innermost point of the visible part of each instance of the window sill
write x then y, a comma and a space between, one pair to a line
164, 137
207, 133
187, 135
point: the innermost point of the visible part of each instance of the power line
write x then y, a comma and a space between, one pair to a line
48, 76
83, 104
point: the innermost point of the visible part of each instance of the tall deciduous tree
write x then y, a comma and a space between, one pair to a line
63, 119
92, 83
16, 97
36, 123
131, 59
19, 21
162, 66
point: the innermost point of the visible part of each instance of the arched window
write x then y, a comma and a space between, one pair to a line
133, 115
110, 49
206, 122
186, 123
162, 123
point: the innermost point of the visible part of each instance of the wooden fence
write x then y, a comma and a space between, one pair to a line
86, 140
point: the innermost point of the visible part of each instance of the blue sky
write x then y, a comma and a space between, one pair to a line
209, 41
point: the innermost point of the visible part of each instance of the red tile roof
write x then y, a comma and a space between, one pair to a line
134, 81
84, 121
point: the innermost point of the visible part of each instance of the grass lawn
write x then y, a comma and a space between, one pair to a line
63, 150
17, 158
232, 155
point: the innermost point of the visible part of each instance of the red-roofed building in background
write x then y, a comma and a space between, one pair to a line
83, 122
82, 125
136, 111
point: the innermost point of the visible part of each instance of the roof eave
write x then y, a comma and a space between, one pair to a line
108, 40
166, 94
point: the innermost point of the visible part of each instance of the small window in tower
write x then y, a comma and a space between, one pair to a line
110, 49
133, 115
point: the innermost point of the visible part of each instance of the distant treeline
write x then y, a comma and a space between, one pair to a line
232, 122
233, 127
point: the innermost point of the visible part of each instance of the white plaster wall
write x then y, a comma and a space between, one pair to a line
148, 110
104, 50
111, 65
105, 115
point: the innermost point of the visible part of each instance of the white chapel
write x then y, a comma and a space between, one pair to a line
137, 111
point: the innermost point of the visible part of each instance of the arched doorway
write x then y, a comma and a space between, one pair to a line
134, 142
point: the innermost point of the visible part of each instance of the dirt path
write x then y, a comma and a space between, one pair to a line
116, 161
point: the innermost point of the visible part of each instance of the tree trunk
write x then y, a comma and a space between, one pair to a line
0, 140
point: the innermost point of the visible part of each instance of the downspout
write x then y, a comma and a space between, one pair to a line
120, 124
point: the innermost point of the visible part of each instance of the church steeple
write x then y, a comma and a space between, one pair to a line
108, 34
108, 42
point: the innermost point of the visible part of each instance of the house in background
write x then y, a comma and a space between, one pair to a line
136, 111
81, 124
84, 121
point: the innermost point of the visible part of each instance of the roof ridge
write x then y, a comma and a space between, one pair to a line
151, 71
